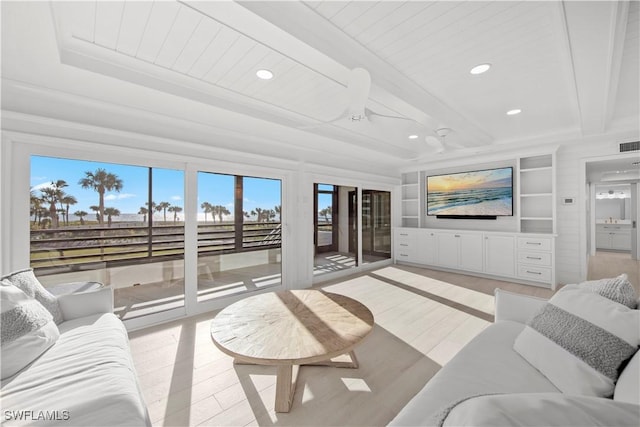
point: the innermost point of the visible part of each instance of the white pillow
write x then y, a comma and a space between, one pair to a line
579, 340
27, 329
628, 386
30, 285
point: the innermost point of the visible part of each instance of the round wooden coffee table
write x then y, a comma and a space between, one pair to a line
288, 328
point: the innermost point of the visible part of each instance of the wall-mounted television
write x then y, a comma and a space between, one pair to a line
480, 194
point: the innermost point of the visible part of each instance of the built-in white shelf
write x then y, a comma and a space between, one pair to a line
543, 168
537, 195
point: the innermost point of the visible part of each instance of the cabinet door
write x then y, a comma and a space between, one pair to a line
603, 240
471, 254
447, 249
621, 240
500, 255
427, 248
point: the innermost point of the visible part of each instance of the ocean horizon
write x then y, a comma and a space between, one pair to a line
461, 201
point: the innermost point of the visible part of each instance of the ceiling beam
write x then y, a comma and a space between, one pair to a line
316, 32
595, 33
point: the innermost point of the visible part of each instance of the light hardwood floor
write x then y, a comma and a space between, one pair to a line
423, 318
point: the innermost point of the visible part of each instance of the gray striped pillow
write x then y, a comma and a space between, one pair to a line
617, 289
579, 340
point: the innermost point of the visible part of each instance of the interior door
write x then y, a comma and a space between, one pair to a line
376, 224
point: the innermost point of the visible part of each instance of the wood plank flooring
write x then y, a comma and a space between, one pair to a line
423, 318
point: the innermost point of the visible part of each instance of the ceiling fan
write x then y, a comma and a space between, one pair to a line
358, 88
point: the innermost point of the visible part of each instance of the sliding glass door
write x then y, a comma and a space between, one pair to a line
376, 225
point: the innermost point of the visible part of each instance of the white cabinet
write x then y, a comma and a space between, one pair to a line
459, 250
406, 244
613, 236
500, 255
525, 256
535, 259
427, 247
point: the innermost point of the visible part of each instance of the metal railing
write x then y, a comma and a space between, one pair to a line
74, 248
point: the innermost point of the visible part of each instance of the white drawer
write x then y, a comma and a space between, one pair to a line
537, 258
537, 274
534, 243
405, 254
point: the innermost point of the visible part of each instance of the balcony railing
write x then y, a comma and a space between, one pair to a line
61, 249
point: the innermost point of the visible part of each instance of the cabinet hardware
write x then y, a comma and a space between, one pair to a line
534, 243
457, 235
403, 244
403, 234
533, 257
533, 272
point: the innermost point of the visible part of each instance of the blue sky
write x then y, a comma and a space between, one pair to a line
168, 186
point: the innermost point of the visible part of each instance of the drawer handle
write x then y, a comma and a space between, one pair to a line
533, 257
404, 255
457, 235
534, 243
403, 244
533, 272
402, 234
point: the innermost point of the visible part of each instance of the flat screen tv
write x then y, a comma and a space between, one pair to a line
481, 194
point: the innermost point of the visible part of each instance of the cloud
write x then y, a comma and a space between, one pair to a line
41, 186
176, 198
119, 196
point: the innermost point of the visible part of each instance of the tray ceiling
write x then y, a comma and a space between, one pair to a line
570, 67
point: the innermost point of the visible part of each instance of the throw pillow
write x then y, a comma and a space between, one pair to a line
628, 385
27, 329
617, 289
30, 285
579, 340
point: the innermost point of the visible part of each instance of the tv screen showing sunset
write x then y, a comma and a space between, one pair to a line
478, 193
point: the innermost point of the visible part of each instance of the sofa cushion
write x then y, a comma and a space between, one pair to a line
89, 373
487, 364
579, 341
27, 329
30, 285
628, 385
617, 289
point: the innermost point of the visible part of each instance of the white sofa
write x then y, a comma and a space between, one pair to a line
489, 383
87, 378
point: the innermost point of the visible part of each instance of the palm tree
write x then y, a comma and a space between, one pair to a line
222, 210
175, 210
49, 195
278, 209
206, 207
151, 208
68, 200
270, 214
245, 214
143, 211
162, 207
254, 213
35, 207
110, 212
101, 181
259, 214
325, 213
96, 209
81, 215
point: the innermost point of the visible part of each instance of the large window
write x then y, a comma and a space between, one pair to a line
120, 225
239, 234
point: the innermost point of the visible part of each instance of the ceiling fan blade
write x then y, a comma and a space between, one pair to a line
342, 116
435, 143
358, 87
375, 117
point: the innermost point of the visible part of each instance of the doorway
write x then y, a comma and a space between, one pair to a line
376, 225
335, 228
612, 219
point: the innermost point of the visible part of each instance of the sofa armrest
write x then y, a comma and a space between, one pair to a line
84, 304
516, 307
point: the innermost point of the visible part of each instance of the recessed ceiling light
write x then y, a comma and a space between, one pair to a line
264, 74
413, 136
481, 68
514, 112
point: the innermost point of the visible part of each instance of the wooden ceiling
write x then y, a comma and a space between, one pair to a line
572, 67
